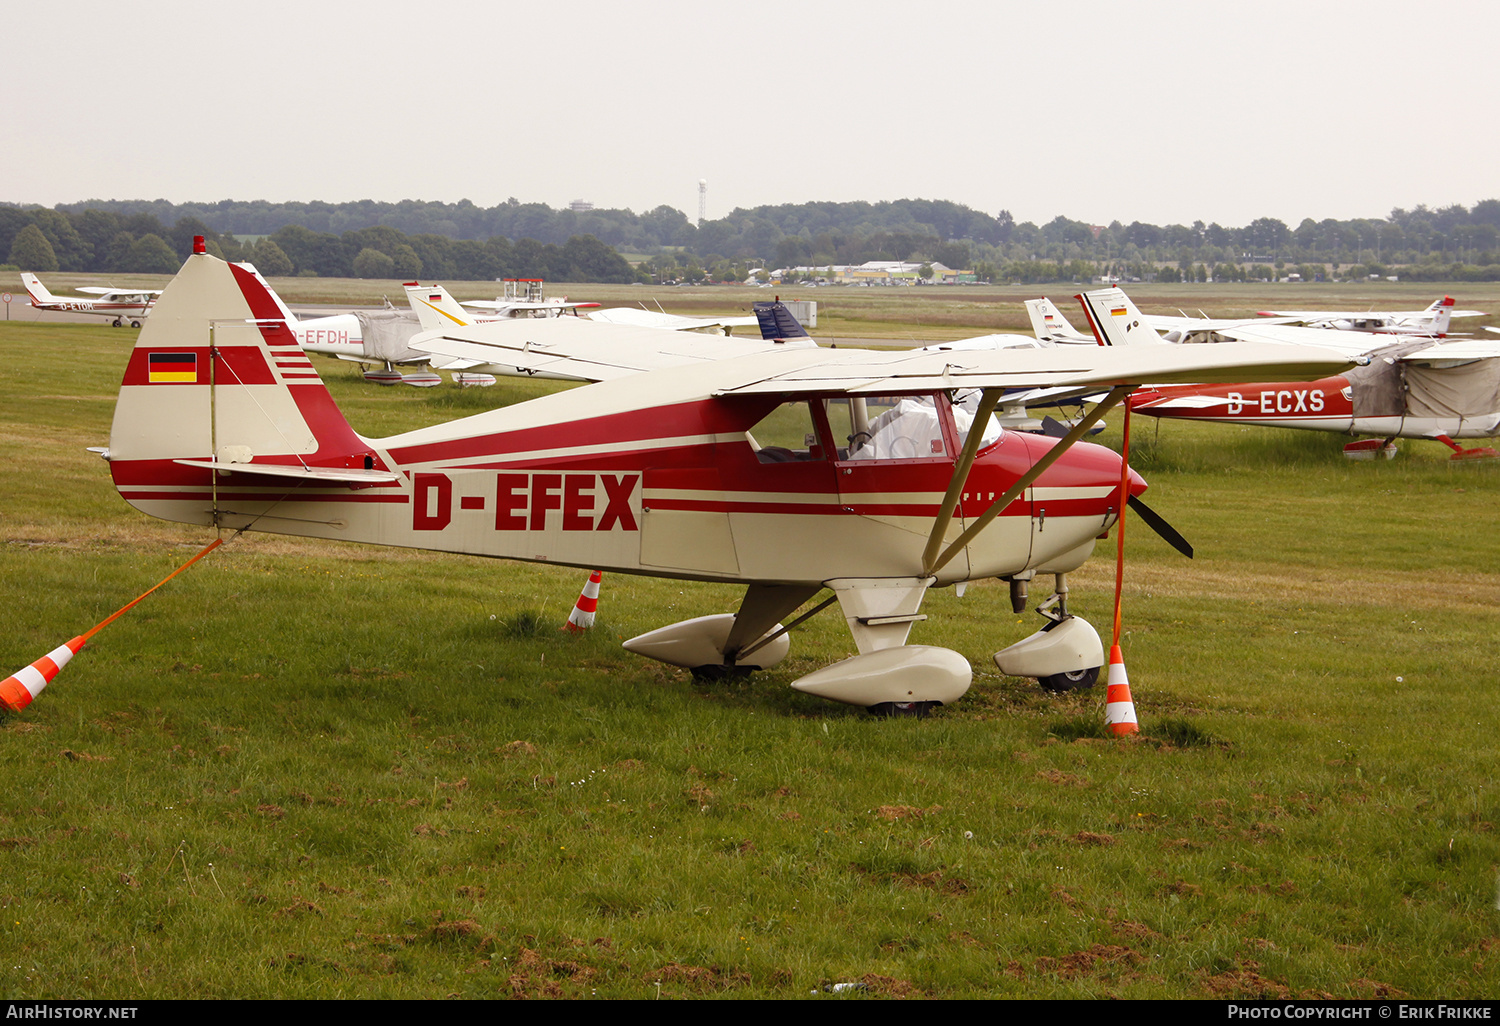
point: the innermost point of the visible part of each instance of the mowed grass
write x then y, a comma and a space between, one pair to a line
319, 770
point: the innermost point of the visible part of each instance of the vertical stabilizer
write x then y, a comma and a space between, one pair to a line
777, 322
1115, 320
217, 379
1441, 314
1049, 325
36, 290
435, 308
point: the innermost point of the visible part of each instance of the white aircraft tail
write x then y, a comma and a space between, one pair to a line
1048, 324
1441, 314
218, 399
1116, 321
36, 290
435, 308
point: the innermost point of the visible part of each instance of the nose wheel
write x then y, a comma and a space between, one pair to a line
902, 710
1070, 680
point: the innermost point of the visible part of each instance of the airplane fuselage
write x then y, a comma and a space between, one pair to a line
602, 478
1323, 405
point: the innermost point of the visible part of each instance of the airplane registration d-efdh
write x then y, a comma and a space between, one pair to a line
788, 471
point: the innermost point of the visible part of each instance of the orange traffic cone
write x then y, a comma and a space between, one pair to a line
582, 616
1119, 710
17, 691
25, 684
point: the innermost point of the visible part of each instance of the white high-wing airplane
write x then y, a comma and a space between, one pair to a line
701, 463
522, 298
1431, 321
436, 309
120, 305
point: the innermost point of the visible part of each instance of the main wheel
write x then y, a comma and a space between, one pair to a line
893, 710
115, 323
1070, 680
135, 324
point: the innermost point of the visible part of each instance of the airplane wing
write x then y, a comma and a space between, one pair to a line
99, 290
501, 304
1184, 402
1318, 316
587, 350
988, 343
857, 372
671, 322
1350, 343
1461, 351
1164, 323
598, 352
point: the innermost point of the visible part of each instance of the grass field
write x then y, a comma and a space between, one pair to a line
313, 770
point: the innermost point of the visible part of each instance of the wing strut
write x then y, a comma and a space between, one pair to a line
988, 400
932, 565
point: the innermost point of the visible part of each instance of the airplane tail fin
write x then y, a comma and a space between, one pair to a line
36, 290
1115, 320
218, 399
1442, 315
435, 308
777, 322
1048, 323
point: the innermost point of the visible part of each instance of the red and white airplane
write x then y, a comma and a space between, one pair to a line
121, 305
787, 471
1407, 387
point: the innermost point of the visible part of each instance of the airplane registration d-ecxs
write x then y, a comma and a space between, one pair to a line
789, 471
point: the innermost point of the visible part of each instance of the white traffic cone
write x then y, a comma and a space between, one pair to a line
21, 687
1119, 710
582, 616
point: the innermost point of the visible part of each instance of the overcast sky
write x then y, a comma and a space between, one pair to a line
1150, 110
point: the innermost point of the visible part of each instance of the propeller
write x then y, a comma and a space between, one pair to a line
1154, 521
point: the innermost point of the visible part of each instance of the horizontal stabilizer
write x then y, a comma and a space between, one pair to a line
331, 475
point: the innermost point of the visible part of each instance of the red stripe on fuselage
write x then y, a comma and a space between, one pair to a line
698, 417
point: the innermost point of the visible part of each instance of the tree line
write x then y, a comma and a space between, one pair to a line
512, 239
42, 240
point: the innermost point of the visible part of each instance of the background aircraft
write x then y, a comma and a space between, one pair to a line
120, 305
1408, 387
437, 309
709, 467
1431, 321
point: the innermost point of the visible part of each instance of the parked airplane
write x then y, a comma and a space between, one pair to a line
522, 298
121, 305
1431, 321
437, 309
765, 469
1409, 387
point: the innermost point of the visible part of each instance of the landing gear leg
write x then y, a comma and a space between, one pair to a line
1065, 655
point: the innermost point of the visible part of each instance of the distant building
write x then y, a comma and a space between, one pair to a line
878, 272
579, 206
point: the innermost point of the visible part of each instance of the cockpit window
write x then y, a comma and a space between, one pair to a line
965, 406
787, 434
887, 428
